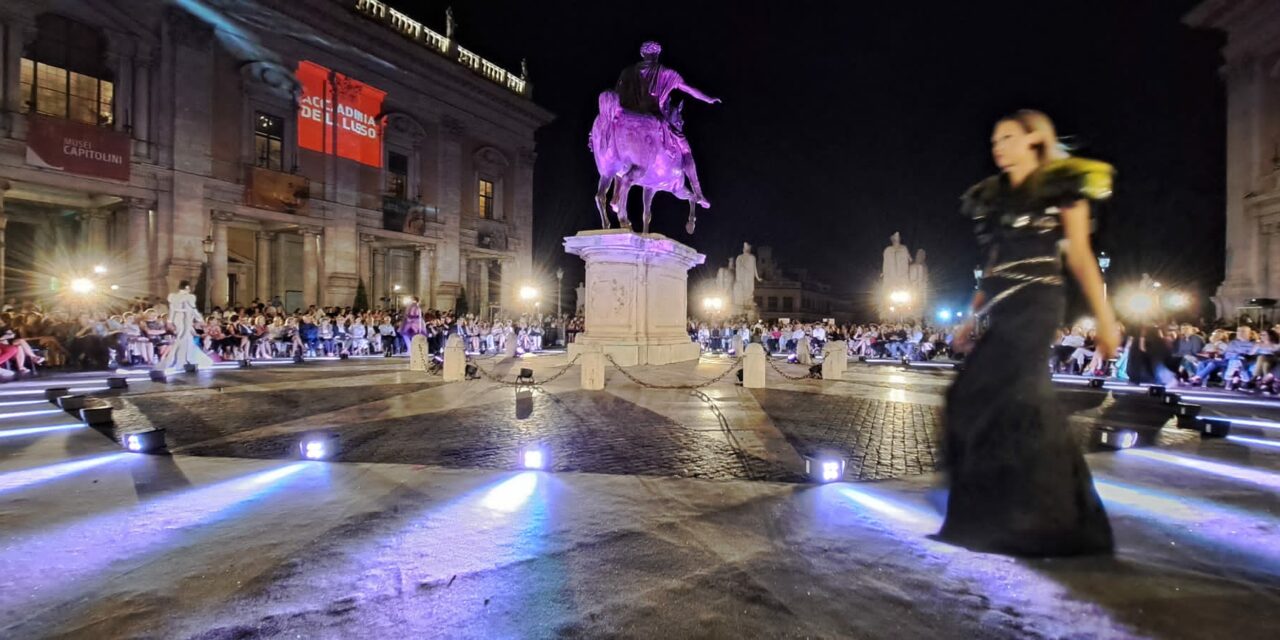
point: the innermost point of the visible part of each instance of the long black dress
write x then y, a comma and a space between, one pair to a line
1019, 482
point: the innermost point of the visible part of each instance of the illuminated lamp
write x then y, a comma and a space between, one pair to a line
317, 446
534, 457
1114, 438
1214, 427
149, 441
824, 468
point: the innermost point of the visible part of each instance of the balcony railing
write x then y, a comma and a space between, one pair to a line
276, 190
408, 216
416, 31
494, 241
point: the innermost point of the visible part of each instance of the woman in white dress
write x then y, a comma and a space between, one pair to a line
182, 315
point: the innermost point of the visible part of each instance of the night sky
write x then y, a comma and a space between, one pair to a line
843, 122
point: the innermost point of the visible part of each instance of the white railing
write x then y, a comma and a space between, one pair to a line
414, 30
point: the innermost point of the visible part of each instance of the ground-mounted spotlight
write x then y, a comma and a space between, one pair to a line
117, 382
53, 393
525, 377
318, 446
524, 403
72, 402
158, 375
1188, 410
243, 363
344, 355
96, 412
1171, 399
1115, 438
739, 376
1156, 391
149, 441
297, 358
862, 358
1096, 383
1214, 427
906, 361
1190, 423
815, 372
472, 372
190, 367
824, 468
534, 457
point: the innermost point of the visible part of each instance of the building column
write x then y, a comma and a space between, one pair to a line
509, 290
430, 300
422, 283
365, 270
483, 297
379, 276
96, 223
263, 262
139, 242
310, 265
4, 220
280, 283
218, 261
140, 116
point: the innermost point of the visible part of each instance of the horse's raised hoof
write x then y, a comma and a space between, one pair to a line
688, 227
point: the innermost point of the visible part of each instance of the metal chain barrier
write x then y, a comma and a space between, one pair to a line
784, 374
497, 379
737, 364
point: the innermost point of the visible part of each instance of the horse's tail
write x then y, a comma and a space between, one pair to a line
601, 138
609, 104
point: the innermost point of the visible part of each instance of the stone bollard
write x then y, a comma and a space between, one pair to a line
834, 360
592, 359
455, 359
804, 352
419, 359
737, 345
753, 366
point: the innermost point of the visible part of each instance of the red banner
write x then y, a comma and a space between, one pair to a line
332, 101
76, 147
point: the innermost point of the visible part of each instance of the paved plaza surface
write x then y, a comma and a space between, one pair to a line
670, 513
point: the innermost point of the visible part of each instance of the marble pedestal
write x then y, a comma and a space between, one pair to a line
637, 296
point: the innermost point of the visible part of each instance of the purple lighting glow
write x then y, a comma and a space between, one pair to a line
12, 433
28, 477
1263, 478
1257, 441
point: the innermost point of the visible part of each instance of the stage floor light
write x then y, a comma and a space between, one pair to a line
318, 446
149, 441
824, 468
534, 457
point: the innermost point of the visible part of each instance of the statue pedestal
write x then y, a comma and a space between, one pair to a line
637, 296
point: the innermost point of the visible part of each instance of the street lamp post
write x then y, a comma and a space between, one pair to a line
1104, 263
559, 291
395, 295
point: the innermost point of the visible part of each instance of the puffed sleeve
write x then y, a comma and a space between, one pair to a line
1063, 182
978, 204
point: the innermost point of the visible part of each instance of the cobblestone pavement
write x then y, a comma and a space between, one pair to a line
885, 423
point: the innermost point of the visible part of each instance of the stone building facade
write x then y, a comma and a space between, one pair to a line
1252, 76
297, 150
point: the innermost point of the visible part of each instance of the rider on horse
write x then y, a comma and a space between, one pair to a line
646, 88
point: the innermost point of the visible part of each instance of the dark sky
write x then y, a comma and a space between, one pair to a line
845, 121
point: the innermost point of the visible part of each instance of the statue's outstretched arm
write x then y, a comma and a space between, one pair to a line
698, 94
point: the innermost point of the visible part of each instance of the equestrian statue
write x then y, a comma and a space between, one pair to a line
638, 139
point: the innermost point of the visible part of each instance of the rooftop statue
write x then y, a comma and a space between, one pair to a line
638, 139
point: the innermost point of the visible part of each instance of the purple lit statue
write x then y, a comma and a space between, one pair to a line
638, 139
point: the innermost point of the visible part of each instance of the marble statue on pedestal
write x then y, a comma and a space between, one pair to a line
724, 284
895, 276
745, 277
918, 275
638, 139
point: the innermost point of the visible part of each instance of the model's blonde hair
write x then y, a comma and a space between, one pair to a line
1032, 121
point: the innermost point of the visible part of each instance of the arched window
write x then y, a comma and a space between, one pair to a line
64, 73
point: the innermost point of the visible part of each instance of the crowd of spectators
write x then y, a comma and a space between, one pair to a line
137, 333
912, 341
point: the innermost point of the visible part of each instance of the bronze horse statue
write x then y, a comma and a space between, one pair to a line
637, 149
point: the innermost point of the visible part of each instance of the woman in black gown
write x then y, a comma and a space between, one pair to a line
1018, 480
